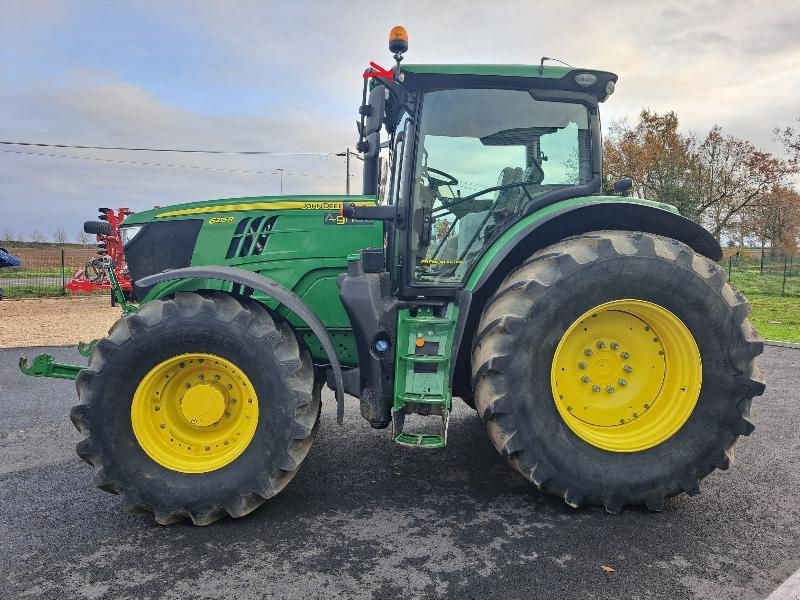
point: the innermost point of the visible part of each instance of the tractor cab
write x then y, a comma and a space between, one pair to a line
471, 150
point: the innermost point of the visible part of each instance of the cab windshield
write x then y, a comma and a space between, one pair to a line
483, 156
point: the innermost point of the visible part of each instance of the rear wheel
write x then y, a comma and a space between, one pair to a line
616, 368
200, 406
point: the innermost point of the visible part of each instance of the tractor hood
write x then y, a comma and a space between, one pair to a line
224, 206
280, 236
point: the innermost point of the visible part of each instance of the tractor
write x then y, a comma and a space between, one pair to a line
595, 335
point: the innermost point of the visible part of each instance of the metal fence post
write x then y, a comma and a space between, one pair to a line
783, 285
63, 275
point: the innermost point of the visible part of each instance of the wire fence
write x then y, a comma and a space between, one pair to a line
763, 274
44, 271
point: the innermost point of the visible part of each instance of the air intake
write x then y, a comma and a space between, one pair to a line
250, 237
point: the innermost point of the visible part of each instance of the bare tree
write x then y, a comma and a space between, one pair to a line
60, 236
9, 236
790, 138
82, 238
38, 236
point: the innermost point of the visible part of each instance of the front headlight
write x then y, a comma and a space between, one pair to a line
128, 233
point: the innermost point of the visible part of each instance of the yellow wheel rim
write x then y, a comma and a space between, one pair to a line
194, 413
626, 375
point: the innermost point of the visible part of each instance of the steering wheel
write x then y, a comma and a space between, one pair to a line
449, 179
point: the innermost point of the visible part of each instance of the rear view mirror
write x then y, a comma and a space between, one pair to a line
373, 145
622, 186
374, 110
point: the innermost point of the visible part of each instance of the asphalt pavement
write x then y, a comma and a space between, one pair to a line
365, 518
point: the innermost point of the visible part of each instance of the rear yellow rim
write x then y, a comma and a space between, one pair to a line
626, 375
194, 413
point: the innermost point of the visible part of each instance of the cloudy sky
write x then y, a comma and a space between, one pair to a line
285, 77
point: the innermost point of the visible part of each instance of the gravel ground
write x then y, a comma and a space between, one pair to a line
365, 518
55, 321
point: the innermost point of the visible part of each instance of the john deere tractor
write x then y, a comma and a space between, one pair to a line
595, 335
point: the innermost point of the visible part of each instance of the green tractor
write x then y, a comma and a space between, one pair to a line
596, 335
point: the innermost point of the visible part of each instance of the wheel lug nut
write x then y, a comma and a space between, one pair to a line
581, 365
600, 345
614, 346
585, 379
625, 356
610, 389
595, 388
588, 352
627, 369
622, 382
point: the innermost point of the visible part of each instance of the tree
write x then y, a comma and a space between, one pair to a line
82, 238
710, 179
790, 138
38, 236
654, 154
775, 220
728, 174
59, 236
9, 236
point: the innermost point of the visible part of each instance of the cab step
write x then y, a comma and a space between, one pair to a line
422, 382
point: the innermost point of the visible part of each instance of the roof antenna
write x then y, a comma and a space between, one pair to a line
544, 58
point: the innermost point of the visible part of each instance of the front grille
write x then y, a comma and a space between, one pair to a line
161, 246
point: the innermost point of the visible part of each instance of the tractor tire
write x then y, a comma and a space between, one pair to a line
98, 227
138, 431
550, 366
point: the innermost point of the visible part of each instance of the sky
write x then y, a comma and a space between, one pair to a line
286, 77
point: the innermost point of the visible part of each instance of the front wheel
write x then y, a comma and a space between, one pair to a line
616, 368
199, 406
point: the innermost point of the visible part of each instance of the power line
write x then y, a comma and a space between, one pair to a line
158, 164
177, 150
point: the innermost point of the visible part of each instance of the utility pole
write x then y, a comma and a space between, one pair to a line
281, 172
347, 154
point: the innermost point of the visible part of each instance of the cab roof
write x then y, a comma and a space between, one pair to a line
549, 77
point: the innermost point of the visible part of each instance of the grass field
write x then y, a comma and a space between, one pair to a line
13, 292
776, 318
34, 273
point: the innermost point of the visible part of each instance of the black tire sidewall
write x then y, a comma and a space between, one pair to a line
710, 427
124, 460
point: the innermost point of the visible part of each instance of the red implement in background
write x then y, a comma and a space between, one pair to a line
89, 278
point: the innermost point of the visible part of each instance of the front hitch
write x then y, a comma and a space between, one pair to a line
44, 365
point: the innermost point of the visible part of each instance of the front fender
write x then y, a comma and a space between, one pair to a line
274, 290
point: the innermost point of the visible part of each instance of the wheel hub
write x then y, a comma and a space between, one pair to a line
194, 413
203, 405
626, 375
